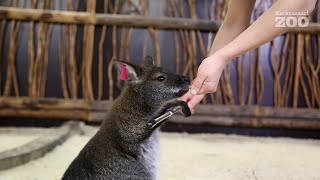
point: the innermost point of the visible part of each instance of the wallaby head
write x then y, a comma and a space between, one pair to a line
149, 91
154, 83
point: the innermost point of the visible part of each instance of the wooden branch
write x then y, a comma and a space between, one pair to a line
52, 104
251, 77
62, 62
14, 28
229, 93
68, 17
290, 71
241, 78
95, 111
312, 75
72, 63
153, 34
71, 17
284, 59
88, 44
3, 24
100, 63
276, 73
124, 20
44, 114
202, 110
297, 70
259, 79
170, 13
248, 122
44, 70
257, 111
313, 28
114, 52
127, 45
31, 56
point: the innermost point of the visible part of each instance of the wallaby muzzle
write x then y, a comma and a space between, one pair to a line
184, 80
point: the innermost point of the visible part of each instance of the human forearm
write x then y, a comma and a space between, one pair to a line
226, 34
235, 23
263, 30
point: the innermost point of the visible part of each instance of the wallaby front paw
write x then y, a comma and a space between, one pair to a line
185, 108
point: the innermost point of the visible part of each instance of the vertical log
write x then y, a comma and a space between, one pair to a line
145, 44
156, 45
35, 92
14, 72
114, 51
175, 38
101, 50
43, 65
193, 13
283, 61
46, 61
229, 92
62, 62
277, 71
153, 34
13, 38
297, 70
31, 50
127, 45
178, 11
290, 71
72, 63
251, 77
241, 78
305, 73
123, 38
212, 16
3, 24
259, 79
88, 53
311, 74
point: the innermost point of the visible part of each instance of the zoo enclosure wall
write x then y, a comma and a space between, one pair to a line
55, 55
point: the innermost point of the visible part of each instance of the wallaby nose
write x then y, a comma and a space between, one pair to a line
184, 79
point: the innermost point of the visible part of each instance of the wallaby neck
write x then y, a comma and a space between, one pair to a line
133, 102
128, 117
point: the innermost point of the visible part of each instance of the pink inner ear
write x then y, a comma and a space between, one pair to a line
123, 72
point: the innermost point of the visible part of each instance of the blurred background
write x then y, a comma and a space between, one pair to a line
55, 67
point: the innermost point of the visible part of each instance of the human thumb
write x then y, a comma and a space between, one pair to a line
197, 84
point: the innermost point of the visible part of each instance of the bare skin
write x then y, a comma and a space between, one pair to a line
236, 37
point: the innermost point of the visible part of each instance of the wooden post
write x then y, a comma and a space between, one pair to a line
297, 70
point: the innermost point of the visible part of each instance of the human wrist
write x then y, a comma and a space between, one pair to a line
219, 58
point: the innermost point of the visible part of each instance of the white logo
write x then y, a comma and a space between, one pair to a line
291, 19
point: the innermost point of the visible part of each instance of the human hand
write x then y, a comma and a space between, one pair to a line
191, 100
209, 73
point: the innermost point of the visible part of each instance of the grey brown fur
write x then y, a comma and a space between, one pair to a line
124, 147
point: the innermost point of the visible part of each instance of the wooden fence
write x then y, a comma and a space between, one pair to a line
85, 29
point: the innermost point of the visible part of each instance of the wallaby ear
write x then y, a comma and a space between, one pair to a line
148, 61
127, 71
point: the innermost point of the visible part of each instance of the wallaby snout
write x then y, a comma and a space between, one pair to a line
184, 80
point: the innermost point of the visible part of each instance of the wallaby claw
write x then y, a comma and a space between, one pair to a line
185, 108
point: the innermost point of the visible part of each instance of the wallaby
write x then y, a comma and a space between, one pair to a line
125, 147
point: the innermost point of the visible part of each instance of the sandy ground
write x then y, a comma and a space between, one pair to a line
196, 157
14, 137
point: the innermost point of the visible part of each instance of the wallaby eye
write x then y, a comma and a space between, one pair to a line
161, 78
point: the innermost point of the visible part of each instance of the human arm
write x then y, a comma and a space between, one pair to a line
235, 22
260, 32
